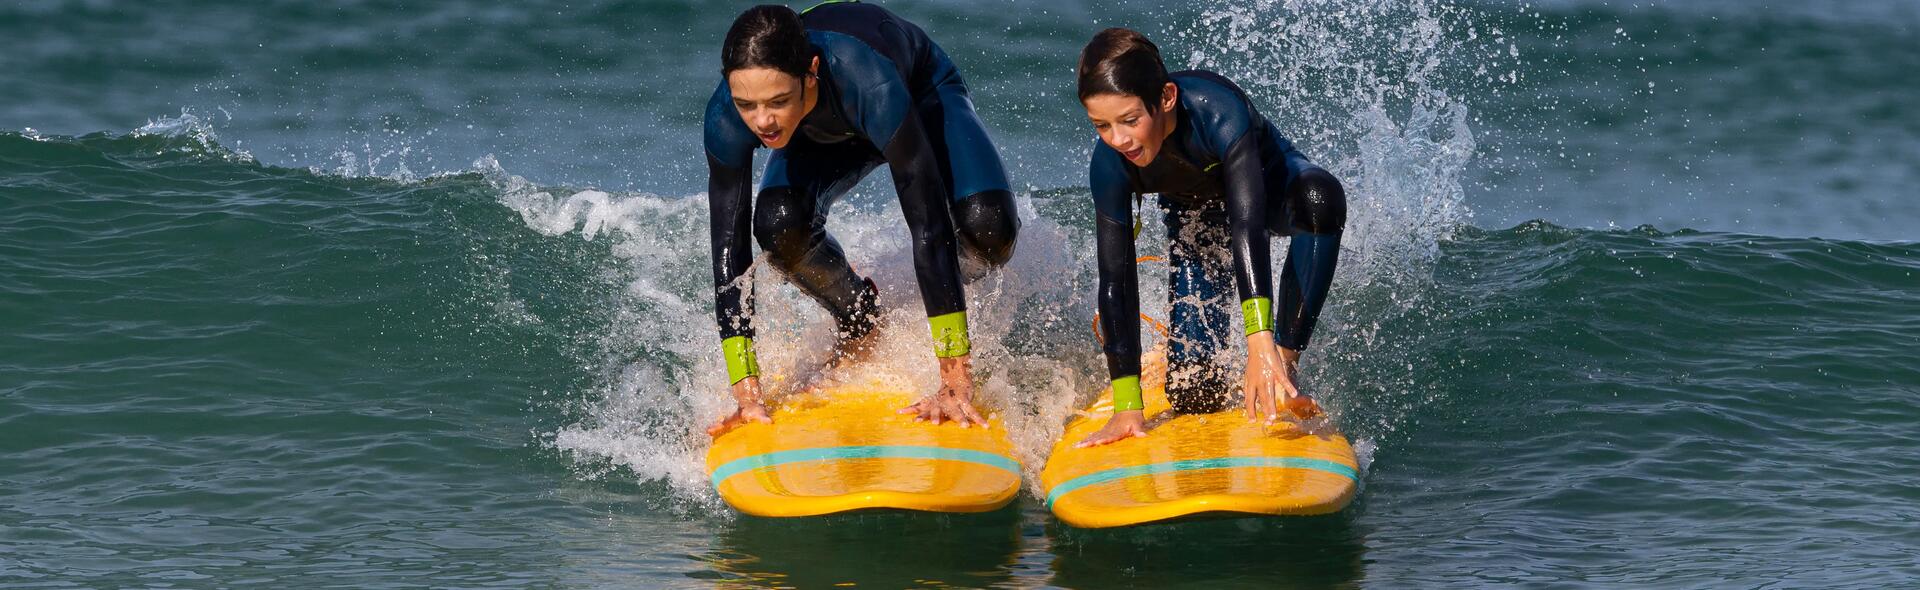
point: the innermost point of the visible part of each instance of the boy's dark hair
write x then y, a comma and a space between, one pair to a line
1122, 61
767, 36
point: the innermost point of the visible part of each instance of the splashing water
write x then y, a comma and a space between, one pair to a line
1364, 88
192, 127
1376, 114
1027, 324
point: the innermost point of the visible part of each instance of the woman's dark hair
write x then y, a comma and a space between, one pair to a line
1122, 61
767, 36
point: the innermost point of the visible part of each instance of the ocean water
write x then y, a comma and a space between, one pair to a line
383, 295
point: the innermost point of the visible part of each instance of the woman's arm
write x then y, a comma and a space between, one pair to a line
729, 149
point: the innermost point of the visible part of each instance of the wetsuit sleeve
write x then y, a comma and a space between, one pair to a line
1227, 127
1246, 189
885, 112
1119, 293
729, 150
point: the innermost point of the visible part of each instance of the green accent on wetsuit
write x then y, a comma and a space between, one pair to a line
950, 335
810, 8
741, 362
1126, 394
1257, 313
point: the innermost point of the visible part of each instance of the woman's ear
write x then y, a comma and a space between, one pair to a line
812, 78
1169, 96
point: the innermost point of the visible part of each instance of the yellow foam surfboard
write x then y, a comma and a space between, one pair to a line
1212, 464
848, 449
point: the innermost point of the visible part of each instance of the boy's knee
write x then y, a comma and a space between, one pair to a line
1320, 200
1199, 389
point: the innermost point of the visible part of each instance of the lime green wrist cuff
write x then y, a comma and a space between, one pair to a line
1126, 394
741, 363
950, 335
1258, 315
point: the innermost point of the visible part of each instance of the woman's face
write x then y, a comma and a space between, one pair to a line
1127, 125
772, 102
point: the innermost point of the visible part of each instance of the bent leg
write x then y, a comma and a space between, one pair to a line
1199, 378
1314, 211
790, 221
984, 214
988, 224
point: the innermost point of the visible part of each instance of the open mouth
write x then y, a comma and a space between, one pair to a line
1134, 154
769, 137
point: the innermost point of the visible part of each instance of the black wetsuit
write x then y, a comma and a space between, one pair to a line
1226, 179
887, 94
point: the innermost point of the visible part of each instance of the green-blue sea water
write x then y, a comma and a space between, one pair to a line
385, 295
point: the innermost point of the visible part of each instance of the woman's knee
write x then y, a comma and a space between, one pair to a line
988, 224
782, 226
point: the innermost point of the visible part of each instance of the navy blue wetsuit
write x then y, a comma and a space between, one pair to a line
889, 95
1226, 179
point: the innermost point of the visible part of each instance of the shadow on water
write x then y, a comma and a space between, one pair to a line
1292, 552
867, 550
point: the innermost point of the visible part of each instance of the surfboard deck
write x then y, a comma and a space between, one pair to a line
847, 449
1218, 465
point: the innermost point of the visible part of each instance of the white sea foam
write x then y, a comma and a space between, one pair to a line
1029, 321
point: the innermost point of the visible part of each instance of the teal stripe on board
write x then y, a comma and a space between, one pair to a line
762, 461
1197, 464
